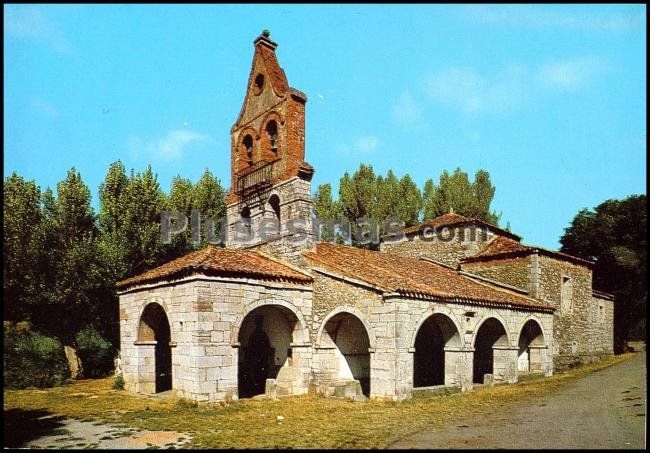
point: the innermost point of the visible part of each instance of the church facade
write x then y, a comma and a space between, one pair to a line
452, 303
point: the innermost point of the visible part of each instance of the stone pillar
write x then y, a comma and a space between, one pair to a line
459, 363
146, 380
301, 360
505, 363
540, 360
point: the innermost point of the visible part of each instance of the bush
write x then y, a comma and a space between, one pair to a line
95, 352
118, 383
33, 360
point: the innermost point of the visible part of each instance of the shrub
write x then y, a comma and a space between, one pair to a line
95, 352
33, 360
118, 383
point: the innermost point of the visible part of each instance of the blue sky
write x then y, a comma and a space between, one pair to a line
549, 99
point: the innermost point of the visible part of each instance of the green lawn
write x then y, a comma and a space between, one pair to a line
309, 421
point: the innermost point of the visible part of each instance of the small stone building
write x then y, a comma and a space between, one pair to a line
452, 303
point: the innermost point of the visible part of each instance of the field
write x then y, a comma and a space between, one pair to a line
294, 422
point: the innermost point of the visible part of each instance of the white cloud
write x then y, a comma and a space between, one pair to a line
542, 16
406, 112
570, 75
470, 92
509, 89
43, 107
364, 145
170, 147
30, 23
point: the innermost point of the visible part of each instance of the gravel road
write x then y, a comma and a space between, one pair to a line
606, 409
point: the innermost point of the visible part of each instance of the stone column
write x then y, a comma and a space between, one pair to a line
146, 380
505, 363
459, 367
540, 360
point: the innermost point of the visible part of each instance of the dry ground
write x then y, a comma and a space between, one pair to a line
306, 422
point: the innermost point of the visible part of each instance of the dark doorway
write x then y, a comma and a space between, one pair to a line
436, 333
351, 339
490, 334
429, 356
154, 326
265, 339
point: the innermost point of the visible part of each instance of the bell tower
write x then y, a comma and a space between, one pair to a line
269, 205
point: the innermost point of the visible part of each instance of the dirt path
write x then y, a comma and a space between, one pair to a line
606, 409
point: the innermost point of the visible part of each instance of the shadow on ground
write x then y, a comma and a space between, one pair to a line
22, 426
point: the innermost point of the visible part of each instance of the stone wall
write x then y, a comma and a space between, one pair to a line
393, 323
448, 246
286, 240
511, 271
205, 315
580, 334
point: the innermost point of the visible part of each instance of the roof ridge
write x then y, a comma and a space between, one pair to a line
283, 263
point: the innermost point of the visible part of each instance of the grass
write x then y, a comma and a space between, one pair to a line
309, 421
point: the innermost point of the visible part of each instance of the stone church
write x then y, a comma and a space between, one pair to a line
451, 303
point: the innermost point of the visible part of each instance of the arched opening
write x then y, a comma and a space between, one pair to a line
434, 335
531, 341
274, 204
248, 147
265, 338
348, 334
490, 335
272, 132
245, 222
154, 326
258, 84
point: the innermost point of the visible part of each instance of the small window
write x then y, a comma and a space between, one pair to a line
566, 294
258, 85
272, 131
248, 145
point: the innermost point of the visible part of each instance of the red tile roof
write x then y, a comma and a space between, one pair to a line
452, 219
218, 261
410, 276
501, 247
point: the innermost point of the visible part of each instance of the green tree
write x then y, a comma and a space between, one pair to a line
358, 198
326, 209
455, 191
408, 202
23, 248
208, 198
614, 235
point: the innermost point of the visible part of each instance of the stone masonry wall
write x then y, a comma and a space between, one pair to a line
511, 271
205, 315
448, 246
579, 335
393, 323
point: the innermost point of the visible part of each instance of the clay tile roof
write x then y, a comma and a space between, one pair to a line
218, 261
501, 247
453, 219
413, 277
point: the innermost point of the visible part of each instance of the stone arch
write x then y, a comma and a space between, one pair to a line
531, 343
154, 333
353, 311
266, 335
345, 338
301, 332
153, 300
501, 321
435, 337
445, 312
490, 339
